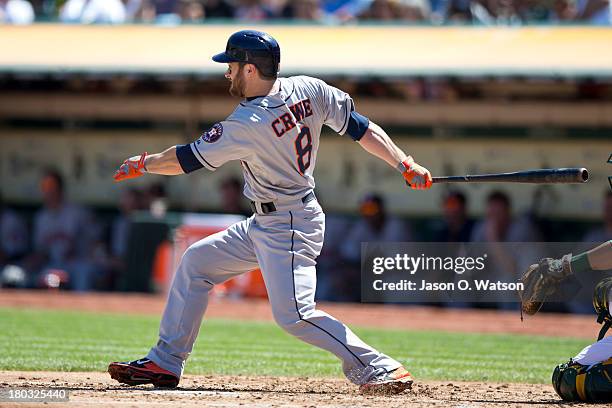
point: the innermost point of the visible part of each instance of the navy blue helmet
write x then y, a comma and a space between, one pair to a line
253, 47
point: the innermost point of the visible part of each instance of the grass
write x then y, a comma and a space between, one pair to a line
77, 341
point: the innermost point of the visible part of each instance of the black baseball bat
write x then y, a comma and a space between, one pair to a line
538, 176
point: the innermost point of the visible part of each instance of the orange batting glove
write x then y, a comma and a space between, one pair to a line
416, 176
131, 168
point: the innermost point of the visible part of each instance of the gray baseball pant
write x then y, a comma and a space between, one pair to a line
284, 244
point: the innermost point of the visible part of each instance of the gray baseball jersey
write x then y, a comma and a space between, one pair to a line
276, 138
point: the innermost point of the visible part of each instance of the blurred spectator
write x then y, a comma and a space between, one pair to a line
563, 11
330, 266
595, 12
43, 8
166, 11
16, 12
132, 9
604, 232
506, 262
345, 10
130, 201
145, 13
581, 303
536, 11
13, 236
438, 11
165, 6
487, 12
65, 236
232, 200
218, 9
303, 10
253, 10
93, 11
375, 224
414, 10
456, 227
156, 200
188, 11
191, 11
458, 11
499, 226
382, 10
495, 12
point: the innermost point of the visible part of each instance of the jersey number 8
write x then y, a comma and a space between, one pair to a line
303, 149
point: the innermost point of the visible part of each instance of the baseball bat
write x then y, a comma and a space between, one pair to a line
538, 176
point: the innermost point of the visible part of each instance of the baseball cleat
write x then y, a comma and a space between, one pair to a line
143, 371
394, 382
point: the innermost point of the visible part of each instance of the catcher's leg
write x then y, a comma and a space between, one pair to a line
586, 377
209, 261
287, 245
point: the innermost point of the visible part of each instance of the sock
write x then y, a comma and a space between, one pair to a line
580, 263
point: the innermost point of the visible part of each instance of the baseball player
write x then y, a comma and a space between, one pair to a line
587, 376
274, 133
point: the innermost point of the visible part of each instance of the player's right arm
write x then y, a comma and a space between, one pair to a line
375, 141
165, 163
339, 113
224, 141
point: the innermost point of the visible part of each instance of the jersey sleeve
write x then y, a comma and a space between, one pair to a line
223, 142
337, 107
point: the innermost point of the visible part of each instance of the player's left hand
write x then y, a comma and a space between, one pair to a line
416, 176
131, 168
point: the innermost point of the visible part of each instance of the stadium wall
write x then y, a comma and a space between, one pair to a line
345, 173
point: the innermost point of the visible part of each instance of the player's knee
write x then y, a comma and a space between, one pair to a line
564, 382
187, 262
291, 318
191, 267
194, 252
289, 321
576, 382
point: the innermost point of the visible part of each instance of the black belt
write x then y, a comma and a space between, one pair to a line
267, 208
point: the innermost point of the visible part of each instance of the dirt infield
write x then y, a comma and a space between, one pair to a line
93, 389
365, 315
97, 389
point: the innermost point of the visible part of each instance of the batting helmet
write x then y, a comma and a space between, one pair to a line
601, 304
253, 47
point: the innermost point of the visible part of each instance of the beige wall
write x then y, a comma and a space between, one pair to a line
191, 109
378, 50
344, 172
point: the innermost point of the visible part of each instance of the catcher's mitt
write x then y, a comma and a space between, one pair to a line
542, 280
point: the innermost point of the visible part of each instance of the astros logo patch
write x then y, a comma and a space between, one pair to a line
213, 134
